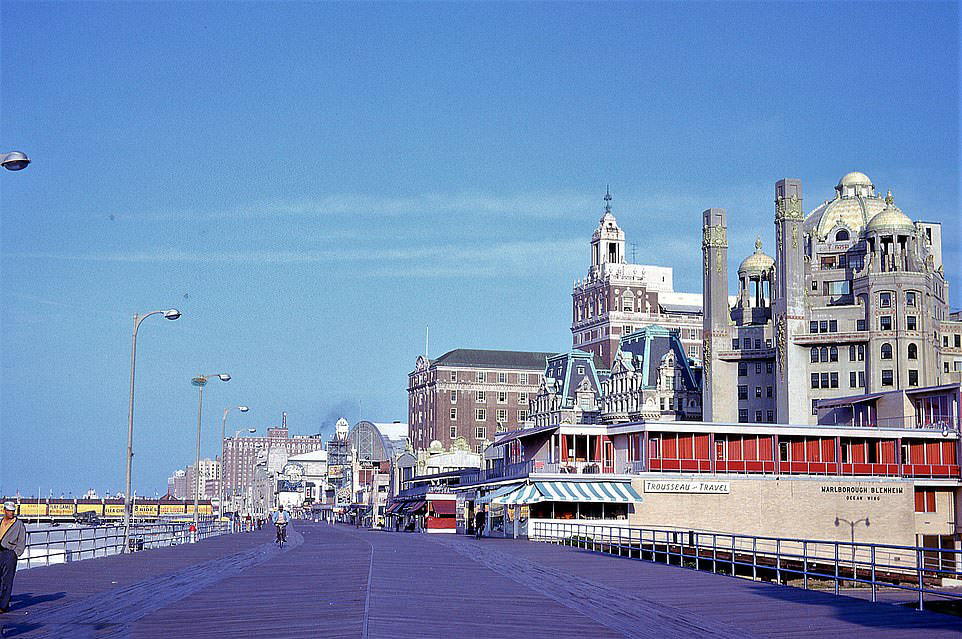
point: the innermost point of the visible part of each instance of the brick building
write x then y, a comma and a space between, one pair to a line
240, 455
471, 394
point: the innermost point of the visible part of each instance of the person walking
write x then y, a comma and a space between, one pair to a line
13, 541
479, 522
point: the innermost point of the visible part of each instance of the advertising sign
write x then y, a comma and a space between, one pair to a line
675, 486
289, 486
60, 510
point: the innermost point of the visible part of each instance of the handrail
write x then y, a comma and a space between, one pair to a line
913, 568
61, 545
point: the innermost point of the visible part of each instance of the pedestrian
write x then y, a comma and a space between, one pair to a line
13, 541
248, 523
479, 522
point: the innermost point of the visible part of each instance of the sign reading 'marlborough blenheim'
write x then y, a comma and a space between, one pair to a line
671, 486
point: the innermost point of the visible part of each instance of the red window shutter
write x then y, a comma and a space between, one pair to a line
702, 446
812, 450
564, 448
798, 450
751, 448
916, 453
919, 501
948, 453
930, 501
669, 446
828, 449
887, 452
765, 448
933, 452
735, 448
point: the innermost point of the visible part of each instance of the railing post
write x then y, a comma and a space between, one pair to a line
874, 585
919, 567
836, 567
754, 558
697, 552
714, 553
778, 560
805, 565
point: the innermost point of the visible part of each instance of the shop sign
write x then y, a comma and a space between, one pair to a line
690, 487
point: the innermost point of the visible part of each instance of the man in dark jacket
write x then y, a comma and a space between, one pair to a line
479, 522
13, 541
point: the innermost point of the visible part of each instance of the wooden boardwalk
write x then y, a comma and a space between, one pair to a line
345, 582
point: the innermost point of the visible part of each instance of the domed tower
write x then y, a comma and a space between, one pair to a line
756, 277
890, 240
608, 240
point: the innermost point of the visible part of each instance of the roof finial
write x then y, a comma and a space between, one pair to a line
607, 198
889, 200
758, 243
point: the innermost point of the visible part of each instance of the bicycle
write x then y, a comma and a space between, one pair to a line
281, 534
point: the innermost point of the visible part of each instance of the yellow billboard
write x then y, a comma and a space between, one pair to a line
113, 510
145, 510
173, 509
33, 510
60, 510
88, 507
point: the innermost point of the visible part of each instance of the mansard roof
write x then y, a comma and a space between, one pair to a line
645, 350
562, 374
478, 358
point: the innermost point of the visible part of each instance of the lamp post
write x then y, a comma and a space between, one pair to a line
200, 381
170, 314
223, 456
852, 524
14, 160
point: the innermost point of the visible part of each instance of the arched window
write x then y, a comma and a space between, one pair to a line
833, 354
913, 351
886, 351
823, 354
815, 353
842, 236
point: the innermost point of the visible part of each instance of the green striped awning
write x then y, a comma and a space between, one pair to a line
609, 492
495, 494
524, 495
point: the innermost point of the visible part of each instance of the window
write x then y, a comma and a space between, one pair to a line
884, 300
758, 391
814, 285
784, 452
832, 326
480, 414
522, 415
479, 397
924, 501
758, 416
886, 351
885, 323
480, 432
833, 354
834, 380
841, 236
626, 330
861, 379
852, 380
768, 342
814, 380
480, 376
841, 261
956, 342
502, 397
454, 376
454, 413
770, 417
502, 378
813, 327
823, 354
758, 343
851, 353
454, 432
913, 377
734, 343
887, 377
769, 367
823, 379
747, 342
581, 370
454, 397
910, 298
860, 325
823, 326
742, 392
911, 323
502, 415
913, 351
742, 369
758, 368
814, 407
768, 391
742, 414
861, 352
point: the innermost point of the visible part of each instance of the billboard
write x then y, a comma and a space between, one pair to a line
289, 486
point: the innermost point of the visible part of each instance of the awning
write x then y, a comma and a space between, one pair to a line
609, 492
524, 495
393, 508
444, 507
415, 507
504, 490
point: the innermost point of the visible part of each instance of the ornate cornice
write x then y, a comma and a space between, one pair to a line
715, 236
788, 208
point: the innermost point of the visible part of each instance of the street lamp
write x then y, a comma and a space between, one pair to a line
223, 458
852, 524
200, 381
14, 160
170, 314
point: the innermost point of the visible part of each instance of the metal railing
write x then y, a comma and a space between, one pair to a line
60, 545
815, 562
503, 471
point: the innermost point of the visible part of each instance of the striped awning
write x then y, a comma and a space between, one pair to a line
609, 492
524, 495
500, 492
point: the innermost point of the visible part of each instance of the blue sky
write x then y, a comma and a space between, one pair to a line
313, 184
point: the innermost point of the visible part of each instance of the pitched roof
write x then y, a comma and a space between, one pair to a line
477, 358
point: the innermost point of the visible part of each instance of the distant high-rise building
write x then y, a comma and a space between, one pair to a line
240, 455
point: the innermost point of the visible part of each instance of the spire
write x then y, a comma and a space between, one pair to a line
607, 198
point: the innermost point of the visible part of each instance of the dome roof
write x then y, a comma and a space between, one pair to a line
890, 219
757, 262
854, 178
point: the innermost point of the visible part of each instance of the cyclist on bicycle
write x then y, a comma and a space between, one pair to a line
280, 520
